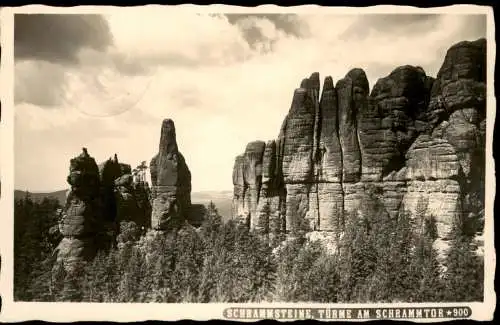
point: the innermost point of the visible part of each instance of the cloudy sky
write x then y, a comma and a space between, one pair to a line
106, 82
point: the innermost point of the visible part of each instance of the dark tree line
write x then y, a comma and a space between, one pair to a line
378, 259
35, 238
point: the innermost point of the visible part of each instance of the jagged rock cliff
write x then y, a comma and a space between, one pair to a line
413, 138
171, 182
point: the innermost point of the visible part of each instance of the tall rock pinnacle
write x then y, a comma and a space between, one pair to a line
171, 181
80, 219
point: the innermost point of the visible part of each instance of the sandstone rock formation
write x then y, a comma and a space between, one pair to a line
108, 172
80, 218
107, 205
171, 182
132, 202
124, 199
413, 138
447, 165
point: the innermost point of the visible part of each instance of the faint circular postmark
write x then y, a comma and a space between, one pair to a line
113, 95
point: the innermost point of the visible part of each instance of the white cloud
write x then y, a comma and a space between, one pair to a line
177, 38
33, 80
200, 71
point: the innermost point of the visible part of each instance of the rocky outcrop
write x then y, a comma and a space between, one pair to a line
107, 204
352, 92
247, 180
447, 166
392, 120
123, 198
171, 182
80, 219
108, 172
413, 138
131, 201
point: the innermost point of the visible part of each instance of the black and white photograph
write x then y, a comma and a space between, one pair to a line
203, 156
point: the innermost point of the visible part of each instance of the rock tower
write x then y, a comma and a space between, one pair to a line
171, 182
80, 217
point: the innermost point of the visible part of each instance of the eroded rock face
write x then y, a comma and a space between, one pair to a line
296, 139
109, 171
247, 180
171, 182
132, 203
461, 81
330, 151
352, 92
447, 167
392, 121
80, 219
412, 138
123, 198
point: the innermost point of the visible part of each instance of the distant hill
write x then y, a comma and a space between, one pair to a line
221, 199
38, 196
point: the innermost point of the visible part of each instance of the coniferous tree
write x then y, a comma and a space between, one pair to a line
310, 267
323, 279
285, 283
464, 277
211, 226
41, 288
405, 272
125, 288
101, 278
188, 262
71, 291
379, 259
33, 243
430, 284
57, 279
380, 284
357, 259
